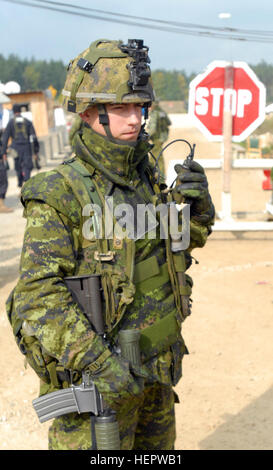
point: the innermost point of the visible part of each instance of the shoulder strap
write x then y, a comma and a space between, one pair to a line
85, 191
79, 179
73, 171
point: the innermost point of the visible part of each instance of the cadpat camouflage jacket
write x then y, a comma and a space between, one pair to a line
137, 294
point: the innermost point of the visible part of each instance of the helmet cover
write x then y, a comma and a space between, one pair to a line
108, 72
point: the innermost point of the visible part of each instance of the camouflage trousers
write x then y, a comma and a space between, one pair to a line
146, 422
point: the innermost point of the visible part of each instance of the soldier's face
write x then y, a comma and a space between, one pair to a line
124, 120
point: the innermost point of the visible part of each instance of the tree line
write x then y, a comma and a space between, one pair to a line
172, 85
32, 74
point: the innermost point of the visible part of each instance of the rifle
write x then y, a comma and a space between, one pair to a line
85, 397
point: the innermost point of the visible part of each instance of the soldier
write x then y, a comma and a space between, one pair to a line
107, 85
23, 135
3, 180
158, 129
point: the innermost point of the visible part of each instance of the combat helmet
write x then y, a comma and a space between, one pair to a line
108, 72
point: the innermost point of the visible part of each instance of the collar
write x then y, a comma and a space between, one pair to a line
121, 163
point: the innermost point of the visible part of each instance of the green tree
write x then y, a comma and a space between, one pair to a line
32, 74
170, 85
11, 69
31, 77
264, 72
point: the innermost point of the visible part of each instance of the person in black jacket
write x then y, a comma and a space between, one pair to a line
23, 135
3, 180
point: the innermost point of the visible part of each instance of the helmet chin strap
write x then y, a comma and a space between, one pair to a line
104, 120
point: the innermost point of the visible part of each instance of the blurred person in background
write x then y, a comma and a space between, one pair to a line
3, 179
22, 133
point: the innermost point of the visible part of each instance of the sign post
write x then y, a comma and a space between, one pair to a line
227, 140
227, 103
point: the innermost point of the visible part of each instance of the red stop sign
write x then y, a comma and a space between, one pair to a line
208, 98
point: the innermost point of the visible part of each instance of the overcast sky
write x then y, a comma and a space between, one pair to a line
32, 32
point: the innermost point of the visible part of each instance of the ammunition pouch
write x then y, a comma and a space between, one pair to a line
164, 337
43, 365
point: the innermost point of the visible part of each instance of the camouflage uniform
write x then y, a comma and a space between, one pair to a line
158, 129
138, 291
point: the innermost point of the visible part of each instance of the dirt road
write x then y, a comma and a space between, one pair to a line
226, 394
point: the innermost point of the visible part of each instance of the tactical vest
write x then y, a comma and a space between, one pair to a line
20, 128
119, 279
115, 263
